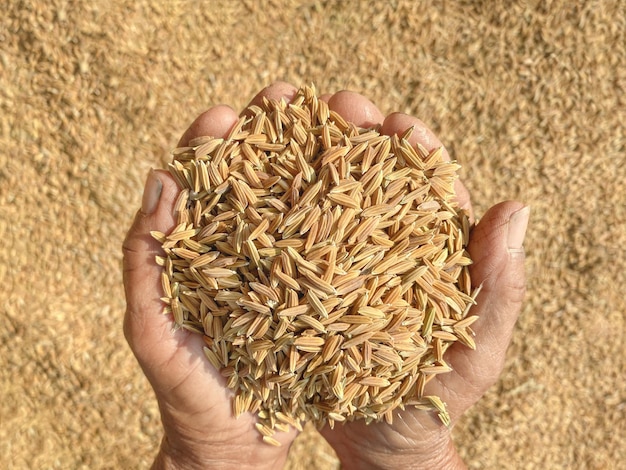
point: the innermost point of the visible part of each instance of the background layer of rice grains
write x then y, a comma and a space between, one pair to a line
528, 96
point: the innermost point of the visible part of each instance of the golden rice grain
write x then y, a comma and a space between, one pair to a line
324, 265
271, 441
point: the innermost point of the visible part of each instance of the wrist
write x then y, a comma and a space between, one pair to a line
170, 457
438, 455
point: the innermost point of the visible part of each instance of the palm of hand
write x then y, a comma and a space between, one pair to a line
196, 406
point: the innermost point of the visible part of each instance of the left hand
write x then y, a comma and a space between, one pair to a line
199, 426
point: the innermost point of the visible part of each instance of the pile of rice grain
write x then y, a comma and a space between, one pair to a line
324, 264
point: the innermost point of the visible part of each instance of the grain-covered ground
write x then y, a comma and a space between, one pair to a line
530, 98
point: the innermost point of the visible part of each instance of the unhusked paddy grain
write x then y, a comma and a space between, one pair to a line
324, 264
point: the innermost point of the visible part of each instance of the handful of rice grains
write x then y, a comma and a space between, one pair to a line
324, 265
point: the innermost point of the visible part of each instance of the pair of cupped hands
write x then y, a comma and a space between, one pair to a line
200, 430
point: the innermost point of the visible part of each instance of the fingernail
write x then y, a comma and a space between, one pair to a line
151, 193
517, 228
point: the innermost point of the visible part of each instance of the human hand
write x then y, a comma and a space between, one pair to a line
200, 430
203, 433
416, 439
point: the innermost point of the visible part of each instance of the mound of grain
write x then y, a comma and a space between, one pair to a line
324, 264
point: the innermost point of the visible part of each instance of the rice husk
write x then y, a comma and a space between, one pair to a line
324, 264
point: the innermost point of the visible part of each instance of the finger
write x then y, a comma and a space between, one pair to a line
216, 122
275, 91
397, 123
142, 276
498, 265
143, 324
355, 108
325, 97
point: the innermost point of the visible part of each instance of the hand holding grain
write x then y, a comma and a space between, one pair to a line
496, 248
194, 400
199, 428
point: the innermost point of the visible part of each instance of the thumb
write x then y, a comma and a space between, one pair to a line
496, 248
143, 324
